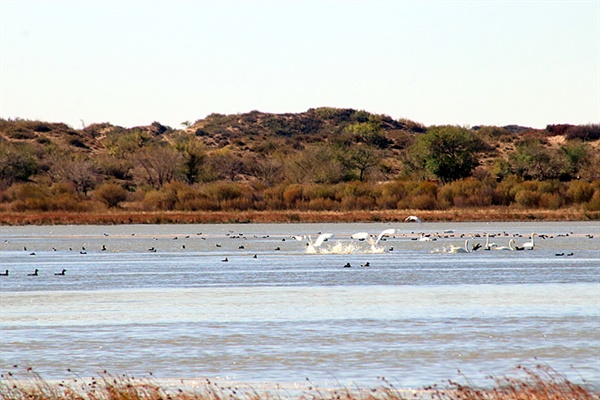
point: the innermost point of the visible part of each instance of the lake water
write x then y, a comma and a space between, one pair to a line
161, 299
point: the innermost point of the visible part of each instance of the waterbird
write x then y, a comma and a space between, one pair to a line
413, 218
4, 273
224, 260
35, 273
509, 248
347, 265
61, 272
559, 254
530, 245
367, 264
458, 249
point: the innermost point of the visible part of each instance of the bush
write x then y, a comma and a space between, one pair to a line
594, 203
580, 192
528, 198
110, 194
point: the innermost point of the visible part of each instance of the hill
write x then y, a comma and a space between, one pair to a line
321, 159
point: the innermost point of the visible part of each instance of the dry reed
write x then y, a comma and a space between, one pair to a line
487, 214
537, 383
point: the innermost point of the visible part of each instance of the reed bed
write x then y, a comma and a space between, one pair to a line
487, 214
537, 383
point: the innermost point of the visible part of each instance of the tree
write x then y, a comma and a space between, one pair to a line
532, 160
158, 164
315, 164
448, 152
578, 156
193, 154
363, 159
17, 164
111, 194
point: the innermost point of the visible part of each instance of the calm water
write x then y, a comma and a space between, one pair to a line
273, 313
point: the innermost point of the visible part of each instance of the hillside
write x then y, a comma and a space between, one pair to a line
253, 160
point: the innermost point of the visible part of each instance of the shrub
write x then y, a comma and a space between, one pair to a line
528, 198
551, 201
293, 195
110, 194
594, 203
580, 192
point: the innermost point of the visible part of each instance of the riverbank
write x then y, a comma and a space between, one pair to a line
489, 214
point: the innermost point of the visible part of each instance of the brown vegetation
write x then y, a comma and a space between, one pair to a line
225, 217
539, 383
352, 164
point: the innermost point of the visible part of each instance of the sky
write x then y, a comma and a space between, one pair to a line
468, 63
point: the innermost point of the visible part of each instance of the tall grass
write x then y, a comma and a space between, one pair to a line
537, 383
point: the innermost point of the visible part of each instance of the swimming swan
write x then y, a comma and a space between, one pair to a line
458, 249
510, 247
530, 245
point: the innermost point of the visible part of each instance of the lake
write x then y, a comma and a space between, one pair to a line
249, 303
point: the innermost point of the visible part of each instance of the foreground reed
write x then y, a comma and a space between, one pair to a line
539, 383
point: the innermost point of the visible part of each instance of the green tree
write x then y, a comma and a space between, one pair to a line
532, 160
448, 152
193, 154
17, 164
578, 156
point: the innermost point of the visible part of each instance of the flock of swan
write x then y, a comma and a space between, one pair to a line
317, 246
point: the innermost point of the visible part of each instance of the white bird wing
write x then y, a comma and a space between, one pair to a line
322, 237
360, 235
413, 218
386, 232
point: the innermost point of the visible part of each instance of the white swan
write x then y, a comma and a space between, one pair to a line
383, 233
458, 249
530, 245
423, 238
509, 248
360, 235
488, 245
312, 247
413, 218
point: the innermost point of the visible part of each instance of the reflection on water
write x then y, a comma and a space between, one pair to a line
274, 313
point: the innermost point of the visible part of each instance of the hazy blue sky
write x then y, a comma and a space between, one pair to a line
130, 63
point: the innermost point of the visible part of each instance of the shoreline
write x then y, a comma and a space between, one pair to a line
496, 214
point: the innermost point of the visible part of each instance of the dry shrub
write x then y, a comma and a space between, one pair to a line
594, 203
155, 200
293, 194
419, 202
110, 194
466, 193
552, 201
328, 192
528, 198
358, 203
323, 204
580, 192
